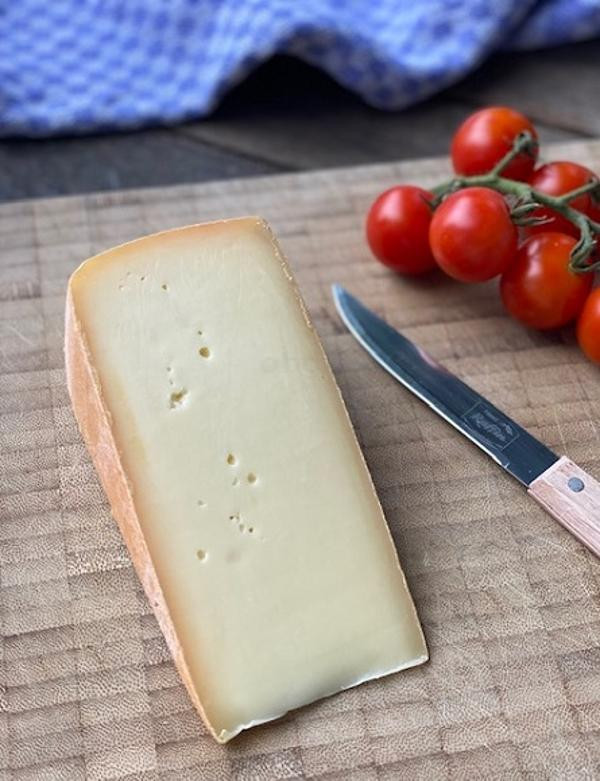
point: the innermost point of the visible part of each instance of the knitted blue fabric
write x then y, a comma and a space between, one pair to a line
75, 66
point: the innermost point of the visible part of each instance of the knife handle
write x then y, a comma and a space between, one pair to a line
572, 497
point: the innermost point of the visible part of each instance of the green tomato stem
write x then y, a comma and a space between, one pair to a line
593, 186
524, 143
528, 199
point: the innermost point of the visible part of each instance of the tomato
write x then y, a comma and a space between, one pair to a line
471, 234
539, 289
398, 229
559, 178
588, 326
485, 137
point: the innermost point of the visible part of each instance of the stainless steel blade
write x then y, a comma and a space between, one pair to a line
505, 441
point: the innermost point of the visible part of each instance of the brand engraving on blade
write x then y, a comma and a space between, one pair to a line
491, 425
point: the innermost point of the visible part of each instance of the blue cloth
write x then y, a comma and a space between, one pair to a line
82, 65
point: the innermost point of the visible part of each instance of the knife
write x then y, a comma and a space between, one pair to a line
569, 494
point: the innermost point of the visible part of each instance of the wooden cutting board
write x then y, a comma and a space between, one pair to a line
508, 600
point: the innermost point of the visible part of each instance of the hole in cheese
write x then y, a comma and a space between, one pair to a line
201, 554
177, 398
204, 352
231, 459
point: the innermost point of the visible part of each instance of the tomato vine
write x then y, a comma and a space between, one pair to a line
526, 199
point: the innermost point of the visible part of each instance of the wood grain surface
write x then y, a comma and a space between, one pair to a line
508, 599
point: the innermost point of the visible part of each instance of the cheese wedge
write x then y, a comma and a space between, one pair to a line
222, 442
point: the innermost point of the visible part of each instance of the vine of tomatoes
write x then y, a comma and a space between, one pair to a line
500, 216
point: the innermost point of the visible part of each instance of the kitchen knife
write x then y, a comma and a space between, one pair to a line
568, 493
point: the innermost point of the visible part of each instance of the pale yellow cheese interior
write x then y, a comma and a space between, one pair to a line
267, 537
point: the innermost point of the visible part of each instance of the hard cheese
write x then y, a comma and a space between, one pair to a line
222, 442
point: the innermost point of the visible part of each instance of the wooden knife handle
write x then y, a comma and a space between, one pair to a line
572, 497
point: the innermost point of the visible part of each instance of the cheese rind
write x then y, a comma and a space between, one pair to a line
222, 442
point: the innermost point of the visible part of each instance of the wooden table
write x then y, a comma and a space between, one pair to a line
289, 117
508, 600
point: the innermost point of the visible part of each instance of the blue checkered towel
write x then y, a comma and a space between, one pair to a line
81, 65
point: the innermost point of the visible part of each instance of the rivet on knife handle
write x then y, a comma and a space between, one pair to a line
572, 497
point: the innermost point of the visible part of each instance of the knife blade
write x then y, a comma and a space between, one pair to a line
568, 493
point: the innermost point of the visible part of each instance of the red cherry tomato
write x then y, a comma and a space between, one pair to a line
539, 289
559, 178
588, 326
485, 137
471, 235
398, 229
